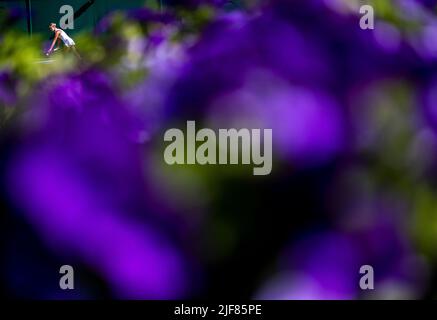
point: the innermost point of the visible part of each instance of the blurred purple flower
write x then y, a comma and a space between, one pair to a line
431, 4
264, 69
193, 3
429, 103
8, 88
78, 178
145, 15
326, 264
307, 124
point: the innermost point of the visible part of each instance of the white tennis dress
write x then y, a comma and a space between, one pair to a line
65, 38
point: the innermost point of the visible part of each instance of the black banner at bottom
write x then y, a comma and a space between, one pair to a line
252, 310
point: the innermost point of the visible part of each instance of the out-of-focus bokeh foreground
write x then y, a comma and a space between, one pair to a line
83, 181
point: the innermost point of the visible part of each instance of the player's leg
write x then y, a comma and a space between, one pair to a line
73, 48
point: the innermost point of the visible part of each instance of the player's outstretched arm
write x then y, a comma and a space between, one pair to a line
53, 43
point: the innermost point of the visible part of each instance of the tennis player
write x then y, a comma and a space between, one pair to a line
61, 35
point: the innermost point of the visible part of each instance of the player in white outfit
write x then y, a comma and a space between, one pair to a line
61, 35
